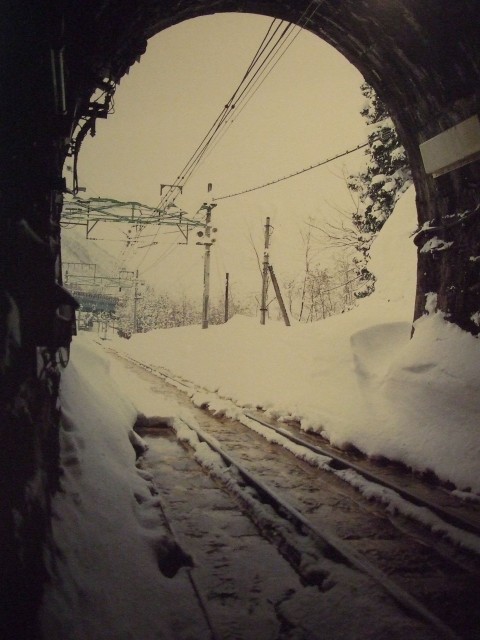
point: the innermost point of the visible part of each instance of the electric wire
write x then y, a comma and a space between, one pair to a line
243, 93
264, 75
159, 259
185, 272
190, 166
261, 47
195, 158
231, 104
226, 107
202, 152
240, 92
296, 173
220, 119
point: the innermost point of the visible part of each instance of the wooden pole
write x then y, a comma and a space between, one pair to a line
278, 293
135, 299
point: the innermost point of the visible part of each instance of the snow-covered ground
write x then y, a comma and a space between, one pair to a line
358, 378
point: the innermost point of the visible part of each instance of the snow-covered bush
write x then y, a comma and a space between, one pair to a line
385, 177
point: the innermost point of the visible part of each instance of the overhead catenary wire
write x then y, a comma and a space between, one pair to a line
266, 72
245, 89
296, 173
247, 95
255, 66
263, 62
159, 259
243, 92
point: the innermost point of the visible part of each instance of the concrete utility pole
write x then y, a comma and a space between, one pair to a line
206, 262
226, 296
263, 306
136, 297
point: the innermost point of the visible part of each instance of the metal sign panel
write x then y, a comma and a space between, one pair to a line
453, 148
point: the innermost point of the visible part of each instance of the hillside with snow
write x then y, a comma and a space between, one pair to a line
76, 248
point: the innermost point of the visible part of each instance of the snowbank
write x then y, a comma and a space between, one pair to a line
106, 526
357, 378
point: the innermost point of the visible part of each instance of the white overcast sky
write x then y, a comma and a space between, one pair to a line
306, 110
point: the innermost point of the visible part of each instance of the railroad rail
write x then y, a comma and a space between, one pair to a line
338, 462
296, 523
468, 520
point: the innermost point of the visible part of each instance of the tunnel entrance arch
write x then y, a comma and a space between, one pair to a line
423, 60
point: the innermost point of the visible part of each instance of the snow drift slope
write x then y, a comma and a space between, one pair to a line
358, 378
107, 527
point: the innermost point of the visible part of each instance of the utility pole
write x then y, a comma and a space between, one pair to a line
263, 306
206, 262
135, 299
226, 296
278, 293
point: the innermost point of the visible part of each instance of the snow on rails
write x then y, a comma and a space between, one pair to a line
317, 554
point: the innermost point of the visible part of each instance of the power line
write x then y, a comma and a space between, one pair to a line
242, 87
243, 93
256, 65
159, 259
266, 71
292, 175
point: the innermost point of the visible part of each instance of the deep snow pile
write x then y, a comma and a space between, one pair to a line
357, 378
107, 527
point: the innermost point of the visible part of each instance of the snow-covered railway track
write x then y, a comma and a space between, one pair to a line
460, 514
313, 518
450, 509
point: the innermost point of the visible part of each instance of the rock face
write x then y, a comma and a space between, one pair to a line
422, 58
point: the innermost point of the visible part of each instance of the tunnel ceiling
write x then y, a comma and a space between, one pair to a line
421, 56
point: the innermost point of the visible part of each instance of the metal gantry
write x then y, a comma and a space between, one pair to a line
88, 212
94, 292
